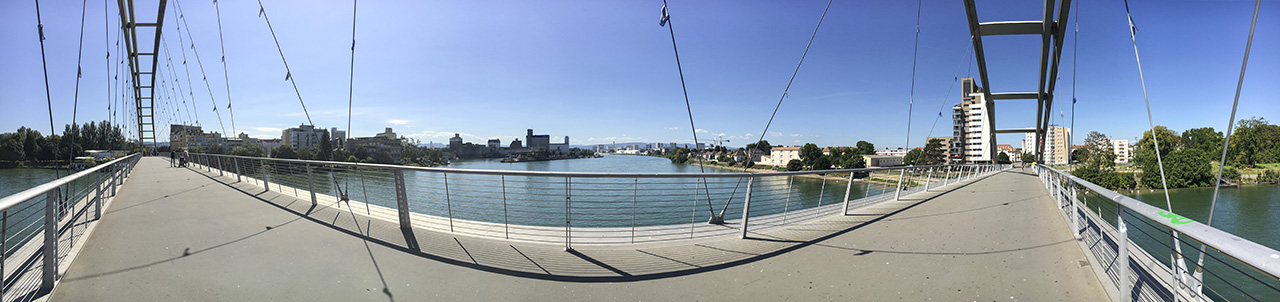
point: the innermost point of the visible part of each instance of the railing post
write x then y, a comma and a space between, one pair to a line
635, 196
506, 228
1122, 255
115, 180
448, 200
898, 194
947, 181
746, 207
847, 190
236, 162
927, 180
402, 201
1075, 215
97, 207
266, 183
786, 206
220, 170
568, 231
310, 185
50, 269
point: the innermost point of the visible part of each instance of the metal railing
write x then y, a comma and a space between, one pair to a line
1235, 268
41, 226
581, 207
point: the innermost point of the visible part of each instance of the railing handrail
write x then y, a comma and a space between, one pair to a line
10, 201
580, 174
1257, 256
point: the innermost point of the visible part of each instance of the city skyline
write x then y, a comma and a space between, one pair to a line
604, 72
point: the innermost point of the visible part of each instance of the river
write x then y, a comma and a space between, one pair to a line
1249, 211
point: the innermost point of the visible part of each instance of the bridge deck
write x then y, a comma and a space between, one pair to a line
179, 234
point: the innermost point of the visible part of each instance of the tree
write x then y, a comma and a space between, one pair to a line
912, 157
284, 151
795, 165
248, 149
809, 154
1204, 139
1183, 168
821, 163
216, 149
339, 154
382, 157
932, 154
361, 152
305, 153
761, 147
1145, 151
1079, 155
1028, 157
1254, 142
849, 160
1099, 155
1003, 158
867, 147
724, 159
326, 147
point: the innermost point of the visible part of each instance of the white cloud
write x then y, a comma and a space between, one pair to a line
671, 128
795, 135
267, 129
701, 131
398, 122
775, 133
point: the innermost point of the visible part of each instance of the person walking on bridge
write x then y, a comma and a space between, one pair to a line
173, 159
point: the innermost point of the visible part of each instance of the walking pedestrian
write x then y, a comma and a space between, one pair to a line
173, 159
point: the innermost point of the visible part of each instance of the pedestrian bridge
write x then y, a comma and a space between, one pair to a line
140, 229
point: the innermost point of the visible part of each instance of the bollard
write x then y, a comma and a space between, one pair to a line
746, 207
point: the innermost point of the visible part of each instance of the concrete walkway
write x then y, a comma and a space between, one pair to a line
178, 234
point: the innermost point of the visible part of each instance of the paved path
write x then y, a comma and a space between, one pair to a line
188, 235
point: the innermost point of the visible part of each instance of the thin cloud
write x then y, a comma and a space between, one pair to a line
671, 128
398, 122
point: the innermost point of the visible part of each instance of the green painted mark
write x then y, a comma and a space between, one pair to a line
1174, 218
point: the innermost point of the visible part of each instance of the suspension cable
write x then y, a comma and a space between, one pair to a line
174, 74
47, 94
1222, 161
186, 69
262, 11
226, 79
75, 104
1075, 50
351, 79
780, 99
956, 78
351, 88
701, 167
201, 64
914, 55
1176, 259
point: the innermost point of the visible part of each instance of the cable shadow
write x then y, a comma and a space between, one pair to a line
869, 251
411, 246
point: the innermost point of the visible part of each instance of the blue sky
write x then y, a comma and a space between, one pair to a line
602, 71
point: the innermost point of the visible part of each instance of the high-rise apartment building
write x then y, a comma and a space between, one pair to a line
971, 138
1122, 150
1057, 144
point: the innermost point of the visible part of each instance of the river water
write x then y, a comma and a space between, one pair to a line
1249, 212
591, 201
